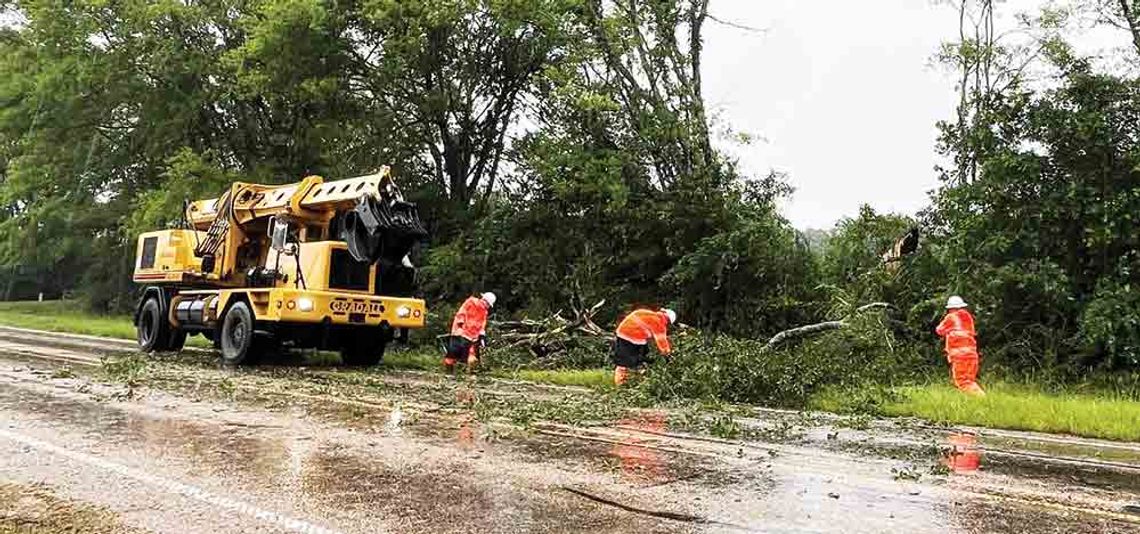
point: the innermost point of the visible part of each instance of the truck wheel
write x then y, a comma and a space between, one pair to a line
362, 351
153, 328
238, 345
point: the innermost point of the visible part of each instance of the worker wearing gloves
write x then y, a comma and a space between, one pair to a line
468, 332
631, 344
961, 346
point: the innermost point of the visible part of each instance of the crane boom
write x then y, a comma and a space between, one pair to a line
311, 198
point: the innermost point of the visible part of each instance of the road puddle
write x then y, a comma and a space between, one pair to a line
439, 468
217, 448
970, 516
451, 487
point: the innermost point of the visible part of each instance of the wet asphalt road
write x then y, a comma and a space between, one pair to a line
165, 460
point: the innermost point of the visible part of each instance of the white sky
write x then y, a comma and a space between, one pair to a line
843, 95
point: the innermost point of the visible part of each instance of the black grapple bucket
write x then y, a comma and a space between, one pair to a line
377, 229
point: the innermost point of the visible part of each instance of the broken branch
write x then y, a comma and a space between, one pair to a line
793, 333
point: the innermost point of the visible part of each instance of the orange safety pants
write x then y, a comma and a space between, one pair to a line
964, 372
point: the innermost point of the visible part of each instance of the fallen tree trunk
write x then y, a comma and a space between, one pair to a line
801, 331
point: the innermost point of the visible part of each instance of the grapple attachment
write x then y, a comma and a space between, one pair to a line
382, 229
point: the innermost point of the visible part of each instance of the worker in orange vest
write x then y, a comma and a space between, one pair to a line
961, 346
631, 344
468, 332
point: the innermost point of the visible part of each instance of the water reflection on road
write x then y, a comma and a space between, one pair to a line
962, 456
638, 462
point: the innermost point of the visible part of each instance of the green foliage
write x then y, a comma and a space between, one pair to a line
112, 114
718, 367
129, 369
758, 274
188, 176
852, 254
1110, 325
1044, 240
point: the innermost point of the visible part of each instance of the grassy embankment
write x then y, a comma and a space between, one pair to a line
1100, 414
64, 316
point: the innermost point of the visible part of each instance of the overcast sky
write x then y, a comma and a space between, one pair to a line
842, 93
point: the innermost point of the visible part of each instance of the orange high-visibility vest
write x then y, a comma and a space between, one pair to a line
958, 329
471, 320
641, 325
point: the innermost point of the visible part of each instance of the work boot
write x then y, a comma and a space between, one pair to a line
621, 375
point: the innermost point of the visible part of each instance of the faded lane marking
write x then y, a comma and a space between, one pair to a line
171, 486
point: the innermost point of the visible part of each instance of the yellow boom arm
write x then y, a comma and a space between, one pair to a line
311, 199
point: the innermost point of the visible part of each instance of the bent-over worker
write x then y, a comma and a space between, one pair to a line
631, 343
961, 346
468, 332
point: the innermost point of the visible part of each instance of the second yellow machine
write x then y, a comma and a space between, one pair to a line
311, 264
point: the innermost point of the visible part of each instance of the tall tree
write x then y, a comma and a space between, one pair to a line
456, 74
1123, 14
651, 52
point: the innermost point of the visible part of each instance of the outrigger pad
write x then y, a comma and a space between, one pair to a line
377, 229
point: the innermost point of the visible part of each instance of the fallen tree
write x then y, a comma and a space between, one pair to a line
555, 333
801, 331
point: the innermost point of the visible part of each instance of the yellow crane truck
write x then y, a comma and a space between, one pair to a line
312, 264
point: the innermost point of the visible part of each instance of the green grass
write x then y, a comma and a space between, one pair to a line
428, 359
65, 316
591, 378
412, 359
1017, 407
70, 317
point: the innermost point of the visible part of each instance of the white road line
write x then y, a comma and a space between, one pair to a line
171, 486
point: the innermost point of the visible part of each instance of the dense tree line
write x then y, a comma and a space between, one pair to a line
561, 150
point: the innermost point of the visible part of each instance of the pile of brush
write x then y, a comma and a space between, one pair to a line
555, 335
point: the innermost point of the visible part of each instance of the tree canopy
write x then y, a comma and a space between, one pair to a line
561, 150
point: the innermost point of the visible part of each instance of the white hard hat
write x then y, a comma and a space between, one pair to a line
490, 298
672, 315
955, 302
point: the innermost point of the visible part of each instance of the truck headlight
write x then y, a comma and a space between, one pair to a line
403, 312
305, 304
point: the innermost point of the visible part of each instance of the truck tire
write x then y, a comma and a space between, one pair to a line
237, 336
363, 351
153, 329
